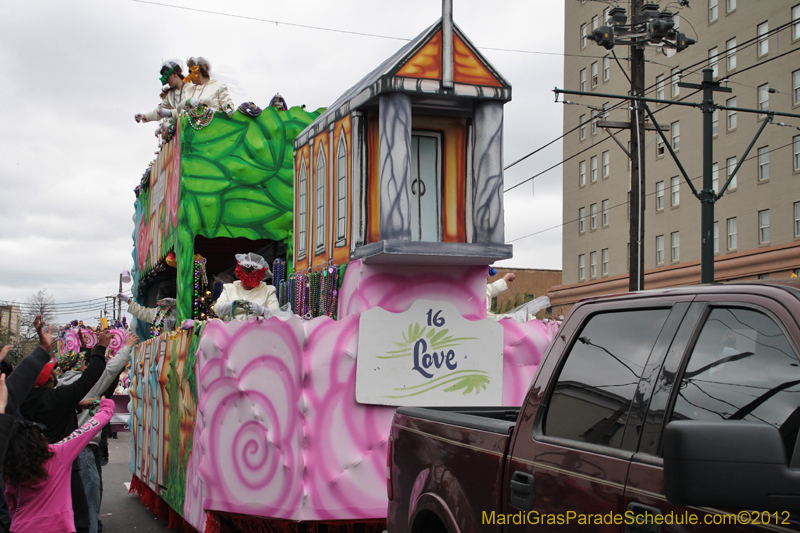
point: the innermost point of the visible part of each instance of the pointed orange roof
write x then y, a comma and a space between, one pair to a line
468, 68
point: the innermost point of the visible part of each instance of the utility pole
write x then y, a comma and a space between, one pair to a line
636, 208
707, 196
648, 27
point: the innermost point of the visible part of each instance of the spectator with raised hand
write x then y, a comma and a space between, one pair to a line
56, 409
17, 386
89, 458
36, 474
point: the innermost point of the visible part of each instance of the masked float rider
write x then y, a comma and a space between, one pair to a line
253, 296
175, 90
162, 317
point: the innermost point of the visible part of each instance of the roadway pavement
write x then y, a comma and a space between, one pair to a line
120, 511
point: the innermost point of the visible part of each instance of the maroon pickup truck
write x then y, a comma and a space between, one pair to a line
667, 410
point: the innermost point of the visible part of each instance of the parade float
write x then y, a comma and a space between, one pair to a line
381, 215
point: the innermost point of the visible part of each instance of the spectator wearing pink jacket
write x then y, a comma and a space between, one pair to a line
38, 474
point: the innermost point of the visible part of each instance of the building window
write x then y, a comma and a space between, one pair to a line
712, 10
595, 22
675, 130
763, 226
606, 68
732, 234
796, 20
302, 215
796, 87
731, 164
581, 267
675, 78
341, 190
659, 148
604, 261
797, 219
593, 264
659, 249
581, 220
716, 237
594, 122
730, 5
763, 98
583, 79
593, 216
675, 185
605, 213
730, 48
606, 164
660, 87
796, 149
715, 122
582, 173
583, 35
594, 74
320, 177
675, 245
659, 195
762, 31
593, 168
715, 177
582, 130
713, 61
731, 102
763, 163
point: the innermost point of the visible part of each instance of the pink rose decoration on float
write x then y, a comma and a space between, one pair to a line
70, 342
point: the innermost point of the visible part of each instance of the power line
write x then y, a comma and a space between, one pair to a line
557, 164
626, 203
334, 30
648, 90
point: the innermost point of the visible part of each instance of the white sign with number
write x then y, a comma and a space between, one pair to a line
429, 355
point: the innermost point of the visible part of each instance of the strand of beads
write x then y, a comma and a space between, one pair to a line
200, 117
323, 286
158, 324
333, 291
244, 305
202, 296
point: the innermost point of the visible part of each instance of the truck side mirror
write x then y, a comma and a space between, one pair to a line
729, 464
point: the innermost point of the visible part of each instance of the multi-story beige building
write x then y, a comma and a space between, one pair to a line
10, 320
752, 47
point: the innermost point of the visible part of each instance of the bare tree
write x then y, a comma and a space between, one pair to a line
40, 303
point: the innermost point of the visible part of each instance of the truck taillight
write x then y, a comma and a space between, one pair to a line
389, 469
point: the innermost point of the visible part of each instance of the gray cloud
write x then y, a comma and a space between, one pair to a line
75, 73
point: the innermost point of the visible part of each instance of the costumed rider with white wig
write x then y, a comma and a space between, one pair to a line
162, 317
249, 295
204, 89
174, 93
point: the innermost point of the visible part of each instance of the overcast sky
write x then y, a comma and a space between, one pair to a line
75, 72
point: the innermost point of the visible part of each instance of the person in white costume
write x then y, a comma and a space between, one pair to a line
174, 92
495, 288
161, 317
524, 312
261, 298
203, 89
